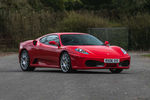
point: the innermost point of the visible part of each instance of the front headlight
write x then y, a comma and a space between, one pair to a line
81, 51
123, 51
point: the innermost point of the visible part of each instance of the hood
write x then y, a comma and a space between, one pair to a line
102, 51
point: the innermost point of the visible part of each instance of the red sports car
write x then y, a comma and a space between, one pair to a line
72, 51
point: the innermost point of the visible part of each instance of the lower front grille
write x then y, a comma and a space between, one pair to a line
111, 65
93, 63
124, 63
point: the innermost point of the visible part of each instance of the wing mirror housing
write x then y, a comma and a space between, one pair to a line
106, 43
53, 43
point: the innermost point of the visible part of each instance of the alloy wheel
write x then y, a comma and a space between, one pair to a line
65, 63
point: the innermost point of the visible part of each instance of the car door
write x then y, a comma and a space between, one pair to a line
49, 54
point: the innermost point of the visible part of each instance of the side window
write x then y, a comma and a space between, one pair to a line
43, 40
55, 38
49, 38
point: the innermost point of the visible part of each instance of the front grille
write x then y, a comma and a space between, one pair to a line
93, 63
124, 63
111, 65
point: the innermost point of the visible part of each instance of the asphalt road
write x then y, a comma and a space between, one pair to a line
52, 84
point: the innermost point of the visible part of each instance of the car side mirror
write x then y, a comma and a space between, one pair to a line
34, 42
53, 43
106, 43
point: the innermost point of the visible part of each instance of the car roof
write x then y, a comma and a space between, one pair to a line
61, 33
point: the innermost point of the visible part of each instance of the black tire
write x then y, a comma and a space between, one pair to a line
65, 63
116, 70
25, 61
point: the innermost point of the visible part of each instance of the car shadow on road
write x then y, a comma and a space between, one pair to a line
60, 72
77, 72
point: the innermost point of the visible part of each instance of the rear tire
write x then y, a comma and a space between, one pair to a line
25, 61
116, 70
65, 63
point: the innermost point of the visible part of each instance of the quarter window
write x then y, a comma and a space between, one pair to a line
43, 40
49, 38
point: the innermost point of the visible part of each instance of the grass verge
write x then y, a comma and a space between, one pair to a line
146, 55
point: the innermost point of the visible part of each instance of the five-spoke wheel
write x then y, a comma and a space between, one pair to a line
25, 61
65, 63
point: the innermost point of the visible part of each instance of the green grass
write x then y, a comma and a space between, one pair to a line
146, 55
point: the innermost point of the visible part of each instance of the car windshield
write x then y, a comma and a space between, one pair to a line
80, 39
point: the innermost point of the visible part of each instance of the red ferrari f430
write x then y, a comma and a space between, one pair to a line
72, 51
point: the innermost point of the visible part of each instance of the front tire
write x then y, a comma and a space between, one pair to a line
116, 70
25, 61
65, 63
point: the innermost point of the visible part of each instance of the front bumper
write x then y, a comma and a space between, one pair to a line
79, 62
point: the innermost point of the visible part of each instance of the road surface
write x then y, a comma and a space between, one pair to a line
52, 84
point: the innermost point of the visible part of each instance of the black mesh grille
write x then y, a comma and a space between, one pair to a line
111, 65
93, 63
124, 63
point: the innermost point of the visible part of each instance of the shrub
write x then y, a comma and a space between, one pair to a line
21, 25
81, 22
139, 26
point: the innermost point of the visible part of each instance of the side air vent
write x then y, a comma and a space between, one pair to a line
34, 42
35, 61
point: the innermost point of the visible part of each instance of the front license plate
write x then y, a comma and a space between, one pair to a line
111, 60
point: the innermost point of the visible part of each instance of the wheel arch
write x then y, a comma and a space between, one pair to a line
21, 52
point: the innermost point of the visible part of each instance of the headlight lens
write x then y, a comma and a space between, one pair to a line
123, 51
81, 51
